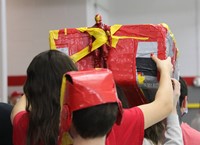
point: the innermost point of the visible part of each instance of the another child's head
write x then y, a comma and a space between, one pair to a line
44, 78
42, 90
95, 121
184, 90
91, 99
183, 97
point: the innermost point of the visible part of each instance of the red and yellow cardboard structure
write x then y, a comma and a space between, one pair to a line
125, 50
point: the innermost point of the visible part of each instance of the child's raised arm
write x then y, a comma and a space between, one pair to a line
161, 107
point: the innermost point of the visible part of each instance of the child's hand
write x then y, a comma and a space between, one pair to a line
163, 65
176, 93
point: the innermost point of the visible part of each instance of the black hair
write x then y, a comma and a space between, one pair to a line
95, 121
42, 89
184, 90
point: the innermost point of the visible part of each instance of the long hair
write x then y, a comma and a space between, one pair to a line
42, 89
155, 133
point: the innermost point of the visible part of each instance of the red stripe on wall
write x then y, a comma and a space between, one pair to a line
16, 80
20, 80
189, 80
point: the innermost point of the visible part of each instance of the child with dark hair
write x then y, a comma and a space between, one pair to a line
190, 135
183, 97
35, 117
90, 107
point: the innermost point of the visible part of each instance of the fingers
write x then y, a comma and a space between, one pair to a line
176, 87
163, 65
169, 58
176, 94
155, 59
175, 82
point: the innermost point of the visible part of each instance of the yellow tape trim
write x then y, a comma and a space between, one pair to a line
77, 56
62, 91
172, 35
193, 105
99, 35
100, 39
66, 139
53, 35
170, 32
115, 39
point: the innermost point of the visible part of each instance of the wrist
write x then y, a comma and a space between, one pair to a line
165, 71
174, 111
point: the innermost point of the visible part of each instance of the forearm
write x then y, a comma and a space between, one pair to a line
161, 107
164, 94
163, 103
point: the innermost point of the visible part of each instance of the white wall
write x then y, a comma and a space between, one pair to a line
97, 7
180, 15
3, 53
1, 61
198, 33
29, 22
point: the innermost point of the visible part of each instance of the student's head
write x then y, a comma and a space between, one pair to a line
42, 89
95, 121
184, 95
91, 98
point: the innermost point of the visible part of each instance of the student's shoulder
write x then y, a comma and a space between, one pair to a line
133, 114
131, 127
19, 108
186, 128
190, 135
21, 117
133, 111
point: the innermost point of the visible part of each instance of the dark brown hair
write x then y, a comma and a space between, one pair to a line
42, 89
155, 133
